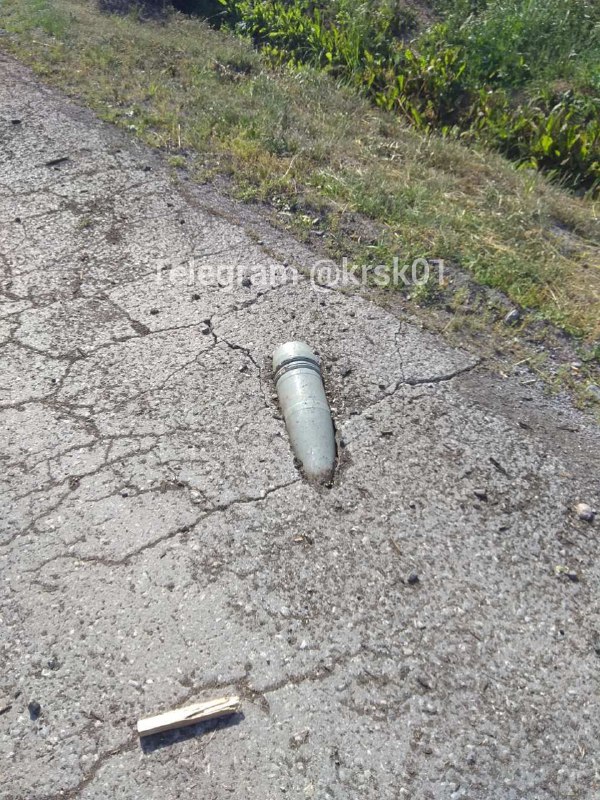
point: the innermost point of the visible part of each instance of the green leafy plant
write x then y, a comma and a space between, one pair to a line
455, 76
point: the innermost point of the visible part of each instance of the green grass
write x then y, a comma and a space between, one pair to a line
515, 42
483, 72
320, 156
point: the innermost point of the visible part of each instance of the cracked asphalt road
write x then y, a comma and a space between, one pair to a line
158, 545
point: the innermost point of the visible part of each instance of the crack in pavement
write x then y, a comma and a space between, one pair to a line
108, 562
241, 687
243, 572
140, 328
129, 745
433, 379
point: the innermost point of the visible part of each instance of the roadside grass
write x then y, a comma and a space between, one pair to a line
338, 171
517, 75
515, 42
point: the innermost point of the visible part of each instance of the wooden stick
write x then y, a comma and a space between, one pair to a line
190, 715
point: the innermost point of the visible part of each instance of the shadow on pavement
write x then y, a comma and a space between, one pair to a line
150, 744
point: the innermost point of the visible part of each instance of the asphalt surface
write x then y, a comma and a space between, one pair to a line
427, 627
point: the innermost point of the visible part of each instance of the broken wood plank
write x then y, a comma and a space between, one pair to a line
190, 715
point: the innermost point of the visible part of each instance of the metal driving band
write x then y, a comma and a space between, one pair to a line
294, 363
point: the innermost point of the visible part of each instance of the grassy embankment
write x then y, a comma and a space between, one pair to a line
521, 75
354, 178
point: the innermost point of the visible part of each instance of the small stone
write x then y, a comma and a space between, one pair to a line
298, 739
424, 681
594, 391
154, 311
412, 579
585, 512
481, 494
53, 663
562, 571
205, 330
512, 317
246, 283
34, 709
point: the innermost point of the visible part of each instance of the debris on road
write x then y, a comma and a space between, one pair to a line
499, 466
561, 571
34, 709
5, 705
54, 162
585, 512
305, 409
298, 739
189, 715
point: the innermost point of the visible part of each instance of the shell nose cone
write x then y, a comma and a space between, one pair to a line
314, 445
305, 409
